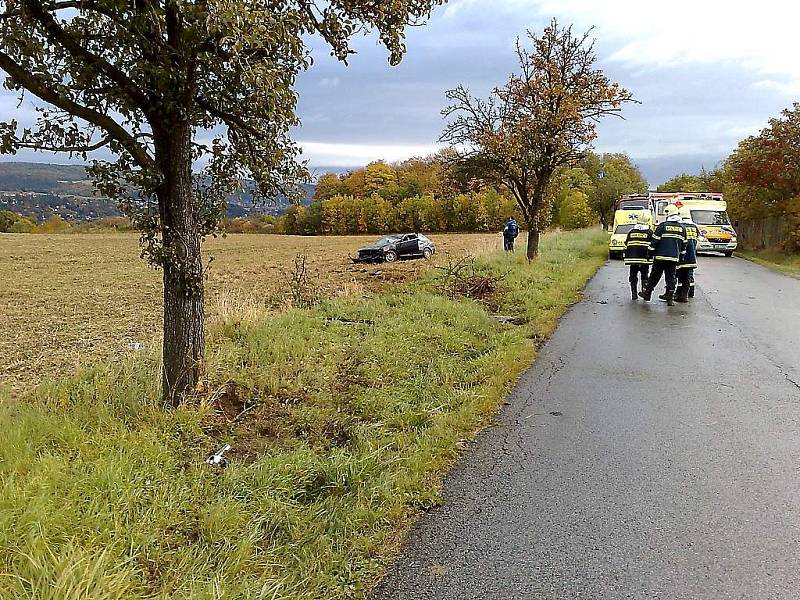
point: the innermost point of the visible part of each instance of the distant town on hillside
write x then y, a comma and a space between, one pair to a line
40, 190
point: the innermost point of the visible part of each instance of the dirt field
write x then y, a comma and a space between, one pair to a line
72, 299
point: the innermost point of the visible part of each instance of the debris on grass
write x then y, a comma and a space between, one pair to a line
349, 321
460, 278
218, 458
507, 319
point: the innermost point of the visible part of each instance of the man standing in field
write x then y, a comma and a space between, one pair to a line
637, 255
510, 233
668, 246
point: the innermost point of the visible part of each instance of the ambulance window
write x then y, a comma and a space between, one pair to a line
710, 217
633, 205
623, 228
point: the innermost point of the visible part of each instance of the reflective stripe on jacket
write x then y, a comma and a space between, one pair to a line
637, 247
669, 241
689, 259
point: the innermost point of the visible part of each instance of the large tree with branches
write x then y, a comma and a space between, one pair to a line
544, 118
162, 84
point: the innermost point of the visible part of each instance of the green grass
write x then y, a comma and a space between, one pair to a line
788, 264
104, 495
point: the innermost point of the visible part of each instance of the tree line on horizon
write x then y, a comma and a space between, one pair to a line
430, 194
437, 194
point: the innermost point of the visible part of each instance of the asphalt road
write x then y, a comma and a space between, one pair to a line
650, 452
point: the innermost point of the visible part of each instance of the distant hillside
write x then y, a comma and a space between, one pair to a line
41, 190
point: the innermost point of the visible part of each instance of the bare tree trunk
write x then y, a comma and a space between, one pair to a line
533, 240
184, 335
534, 216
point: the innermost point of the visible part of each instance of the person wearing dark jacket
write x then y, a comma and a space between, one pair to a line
510, 233
668, 244
637, 255
688, 262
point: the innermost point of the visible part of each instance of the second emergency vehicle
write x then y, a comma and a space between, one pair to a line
707, 210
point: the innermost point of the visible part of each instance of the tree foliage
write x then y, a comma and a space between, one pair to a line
380, 178
611, 176
543, 119
328, 186
762, 175
417, 176
418, 194
349, 215
704, 182
11, 222
761, 178
574, 211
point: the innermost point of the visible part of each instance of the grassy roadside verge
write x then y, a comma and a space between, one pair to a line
341, 432
788, 264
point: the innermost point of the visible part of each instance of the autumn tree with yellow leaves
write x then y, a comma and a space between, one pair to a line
544, 118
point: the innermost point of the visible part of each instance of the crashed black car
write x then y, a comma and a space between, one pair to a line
397, 247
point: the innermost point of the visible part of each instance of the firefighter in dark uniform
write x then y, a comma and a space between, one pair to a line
667, 246
688, 262
637, 255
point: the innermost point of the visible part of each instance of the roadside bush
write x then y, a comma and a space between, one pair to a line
54, 224
104, 225
792, 241
257, 224
574, 211
11, 222
23, 225
7, 219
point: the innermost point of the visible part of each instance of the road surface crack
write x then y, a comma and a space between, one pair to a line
509, 454
753, 345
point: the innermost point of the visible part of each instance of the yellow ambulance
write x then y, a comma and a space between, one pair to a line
628, 211
709, 212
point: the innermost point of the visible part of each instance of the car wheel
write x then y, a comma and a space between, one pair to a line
427, 253
729, 253
391, 256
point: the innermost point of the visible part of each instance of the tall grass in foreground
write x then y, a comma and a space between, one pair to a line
343, 434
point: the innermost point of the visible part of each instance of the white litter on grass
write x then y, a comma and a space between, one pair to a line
218, 458
135, 345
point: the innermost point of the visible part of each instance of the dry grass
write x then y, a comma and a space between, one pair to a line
68, 300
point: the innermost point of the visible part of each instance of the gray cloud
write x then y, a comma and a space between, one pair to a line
693, 112
695, 107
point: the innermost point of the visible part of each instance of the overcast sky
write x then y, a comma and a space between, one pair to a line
707, 73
